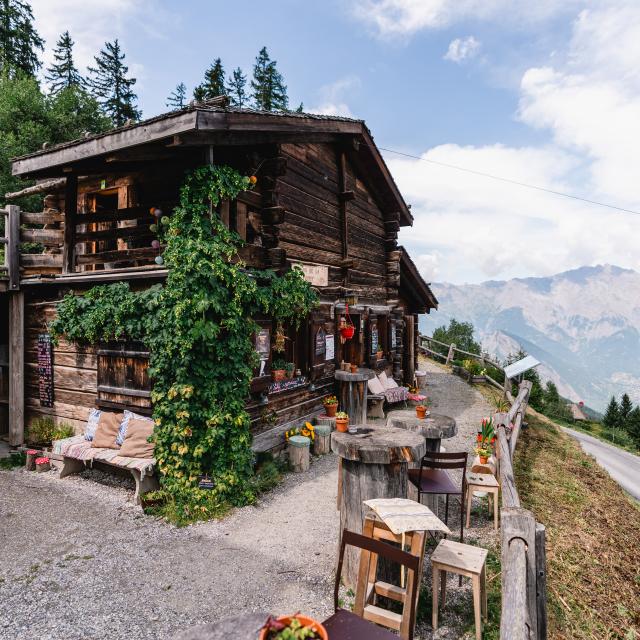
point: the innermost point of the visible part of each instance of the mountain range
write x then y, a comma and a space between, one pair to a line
583, 325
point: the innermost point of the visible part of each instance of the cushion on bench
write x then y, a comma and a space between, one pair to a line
80, 449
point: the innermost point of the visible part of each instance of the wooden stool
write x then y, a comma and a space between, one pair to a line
298, 447
368, 586
464, 560
483, 482
322, 442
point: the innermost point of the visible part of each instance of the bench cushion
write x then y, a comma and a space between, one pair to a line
80, 449
375, 386
136, 444
399, 394
107, 431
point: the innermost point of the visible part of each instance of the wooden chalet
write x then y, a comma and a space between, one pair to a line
324, 200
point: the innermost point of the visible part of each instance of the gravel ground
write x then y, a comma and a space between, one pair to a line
80, 561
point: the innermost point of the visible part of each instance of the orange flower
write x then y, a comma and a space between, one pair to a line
253, 179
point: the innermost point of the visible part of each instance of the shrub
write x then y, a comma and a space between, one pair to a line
44, 430
472, 366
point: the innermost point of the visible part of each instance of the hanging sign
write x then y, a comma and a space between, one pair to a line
315, 274
263, 345
330, 347
45, 370
320, 346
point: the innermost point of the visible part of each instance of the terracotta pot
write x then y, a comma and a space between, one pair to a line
342, 424
278, 374
354, 368
347, 332
483, 459
421, 412
30, 463
321, 632
43, 467
330, 410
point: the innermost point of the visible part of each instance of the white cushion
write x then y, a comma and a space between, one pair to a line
383, 379
375, 386
391, 383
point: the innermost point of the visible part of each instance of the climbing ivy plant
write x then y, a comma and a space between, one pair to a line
199, 329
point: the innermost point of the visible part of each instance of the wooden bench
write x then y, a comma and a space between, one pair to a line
78, 454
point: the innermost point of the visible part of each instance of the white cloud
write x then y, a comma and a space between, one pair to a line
462, 49
392, 18
333, 97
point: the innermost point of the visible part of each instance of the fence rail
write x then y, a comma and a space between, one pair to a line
524, 614
10, 268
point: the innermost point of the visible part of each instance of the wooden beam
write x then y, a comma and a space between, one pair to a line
71, 210
13, 246
16, 368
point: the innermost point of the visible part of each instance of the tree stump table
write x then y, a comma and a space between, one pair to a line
434, 428
374, 462
353, 393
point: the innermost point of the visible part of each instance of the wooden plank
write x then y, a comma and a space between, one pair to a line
510, 497
115, 233
41, 260
541, 581
123, 255
41, 218
12, 257
71, 210
130, 213
48, 237
16, 368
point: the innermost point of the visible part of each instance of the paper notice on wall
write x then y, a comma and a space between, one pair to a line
330, 351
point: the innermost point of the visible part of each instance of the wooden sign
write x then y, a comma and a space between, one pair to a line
45, 370
315, 274
205, 482
287, 384
321, 345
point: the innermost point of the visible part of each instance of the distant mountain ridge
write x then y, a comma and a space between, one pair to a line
583, 325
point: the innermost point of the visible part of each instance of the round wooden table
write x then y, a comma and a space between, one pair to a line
374, 464
353, 393
433, 428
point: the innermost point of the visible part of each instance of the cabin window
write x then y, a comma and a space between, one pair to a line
378, 338
123, 378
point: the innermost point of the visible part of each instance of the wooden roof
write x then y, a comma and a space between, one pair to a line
201, 125
413, 287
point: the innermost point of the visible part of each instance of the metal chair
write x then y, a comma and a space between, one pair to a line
345, 625
432, 479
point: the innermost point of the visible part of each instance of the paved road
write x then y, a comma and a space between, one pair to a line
621, 465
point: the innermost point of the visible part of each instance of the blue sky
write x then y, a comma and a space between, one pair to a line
536, 92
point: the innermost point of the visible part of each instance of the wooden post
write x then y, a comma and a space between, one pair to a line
298, 448
12, 247
322, 442
451, 353
70, 214
16, 369
541, 581
410, 349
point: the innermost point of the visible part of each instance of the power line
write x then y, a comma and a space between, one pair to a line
516, 182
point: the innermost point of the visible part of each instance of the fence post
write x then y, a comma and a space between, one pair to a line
13, 246
450, 354
541, 581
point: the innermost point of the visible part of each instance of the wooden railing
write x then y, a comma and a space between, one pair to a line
10, 269
522, 542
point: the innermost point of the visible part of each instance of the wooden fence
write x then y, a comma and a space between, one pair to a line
10, 268
522, 541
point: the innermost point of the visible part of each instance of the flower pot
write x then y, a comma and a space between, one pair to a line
379, 355
483, 459
347, 332
321, 632
354, 368
43, 466
278, 374
30, 463
290, 374
421, 412
342, 424
330, 410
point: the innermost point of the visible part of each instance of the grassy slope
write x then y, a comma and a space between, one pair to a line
593, 536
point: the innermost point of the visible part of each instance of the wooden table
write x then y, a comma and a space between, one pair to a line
374, 465
353, 393
433, 428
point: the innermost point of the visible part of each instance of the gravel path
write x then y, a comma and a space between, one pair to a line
80, 561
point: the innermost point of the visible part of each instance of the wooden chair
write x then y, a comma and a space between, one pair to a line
432, 479
345, 625
483, 482
464, 560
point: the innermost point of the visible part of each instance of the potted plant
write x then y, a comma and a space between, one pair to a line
488, 432
342, 421
278, 370
354, 368
42, 464
30, 461
290, 368
295, 627
379, 354
484, 453
421, 411
330, 406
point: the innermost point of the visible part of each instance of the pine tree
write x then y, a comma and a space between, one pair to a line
177, 97
213, 85
300, 108
626, 407
112, 87
611, 418
236, 88
633, 426
19, 41
63, 72
269, 90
